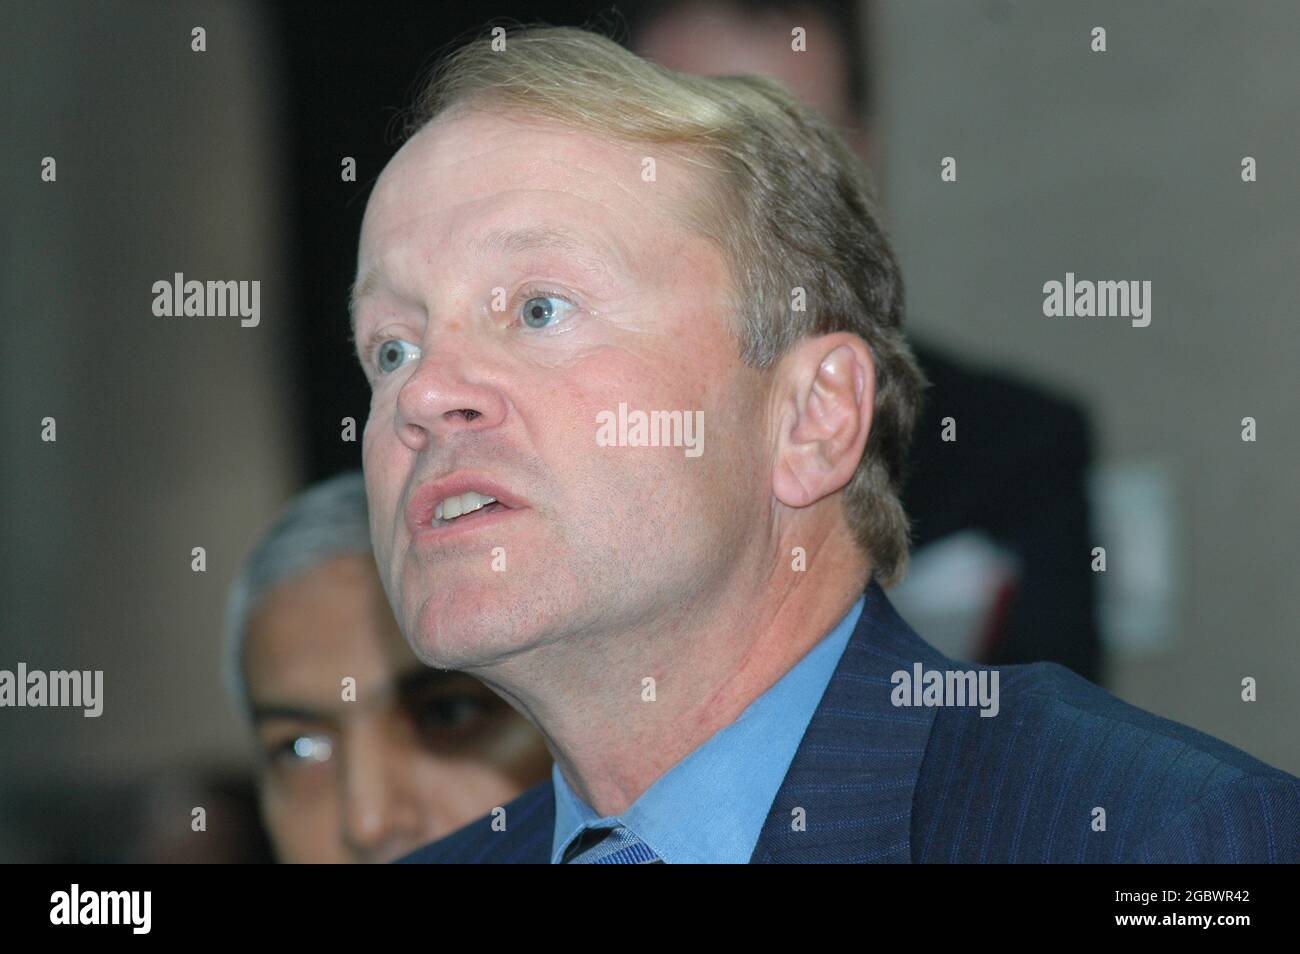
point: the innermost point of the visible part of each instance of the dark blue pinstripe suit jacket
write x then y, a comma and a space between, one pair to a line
880, 783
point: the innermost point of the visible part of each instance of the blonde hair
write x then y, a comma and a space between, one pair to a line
784, 197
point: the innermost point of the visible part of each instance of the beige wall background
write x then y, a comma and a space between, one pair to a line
171, 432
1126, 165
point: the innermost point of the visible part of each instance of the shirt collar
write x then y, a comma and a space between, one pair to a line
710, 806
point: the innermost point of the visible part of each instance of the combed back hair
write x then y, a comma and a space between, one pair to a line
781, 195
326, 521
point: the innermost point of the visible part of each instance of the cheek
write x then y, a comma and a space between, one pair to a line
643, 382
302, 829
642, 379
379, 425
571, 404
455, 793
380, 457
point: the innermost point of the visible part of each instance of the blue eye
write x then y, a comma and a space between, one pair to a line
394, 353
544, 310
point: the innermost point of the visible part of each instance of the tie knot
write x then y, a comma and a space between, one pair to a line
609, 846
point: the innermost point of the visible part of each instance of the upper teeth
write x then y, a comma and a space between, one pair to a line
458, 506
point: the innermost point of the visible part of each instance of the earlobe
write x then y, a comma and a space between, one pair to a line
831, 387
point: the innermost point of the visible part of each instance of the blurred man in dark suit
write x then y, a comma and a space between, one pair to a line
1018, 474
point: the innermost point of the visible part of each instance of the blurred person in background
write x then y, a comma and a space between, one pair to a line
363, 753
1000, 519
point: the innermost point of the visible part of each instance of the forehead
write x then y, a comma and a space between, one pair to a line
472, 171
311, 630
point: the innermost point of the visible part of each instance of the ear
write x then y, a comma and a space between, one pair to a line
826, 387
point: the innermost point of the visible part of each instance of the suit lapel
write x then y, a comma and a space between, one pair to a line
853, 775
530, 824
855, 771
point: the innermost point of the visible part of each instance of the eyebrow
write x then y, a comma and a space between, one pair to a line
362, 287
404, 684
512, 240
297, 713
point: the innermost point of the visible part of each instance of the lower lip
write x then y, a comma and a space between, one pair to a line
435, 536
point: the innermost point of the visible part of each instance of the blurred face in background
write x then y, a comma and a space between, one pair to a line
418, 754
717, 39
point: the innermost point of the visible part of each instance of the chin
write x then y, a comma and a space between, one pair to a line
461, 627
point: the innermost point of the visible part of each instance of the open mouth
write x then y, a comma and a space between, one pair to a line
465, 508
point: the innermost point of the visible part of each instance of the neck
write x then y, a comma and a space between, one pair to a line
613, 735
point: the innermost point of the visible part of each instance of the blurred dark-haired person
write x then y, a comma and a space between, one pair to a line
363, 753
621, 472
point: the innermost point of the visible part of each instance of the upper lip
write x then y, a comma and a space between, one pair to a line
420, 508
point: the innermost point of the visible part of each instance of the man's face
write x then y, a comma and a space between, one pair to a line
532, 277
416, 755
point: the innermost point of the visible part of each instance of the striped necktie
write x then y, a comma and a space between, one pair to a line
609, 846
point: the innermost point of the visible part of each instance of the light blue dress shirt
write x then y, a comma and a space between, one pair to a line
710, 807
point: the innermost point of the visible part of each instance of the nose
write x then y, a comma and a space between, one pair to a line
447, 392
381, 806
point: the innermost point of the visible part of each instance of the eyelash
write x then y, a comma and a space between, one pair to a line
539, 291
376, 338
